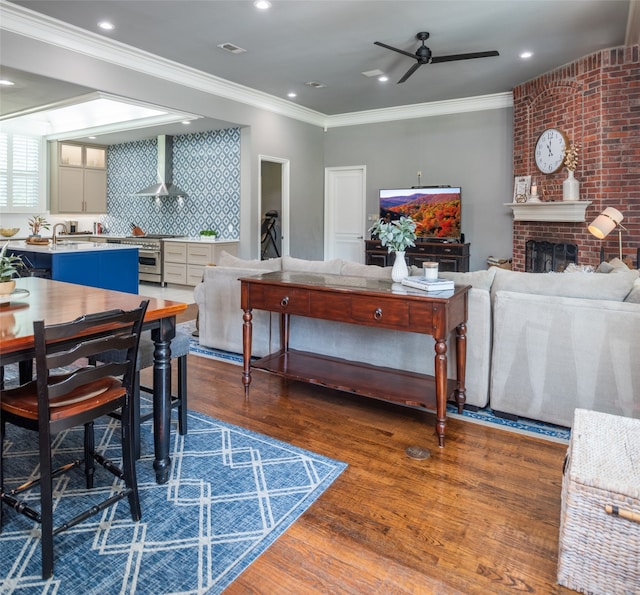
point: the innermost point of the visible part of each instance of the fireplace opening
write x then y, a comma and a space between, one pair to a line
542, 256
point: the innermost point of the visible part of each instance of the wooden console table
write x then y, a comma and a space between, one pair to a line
361, 301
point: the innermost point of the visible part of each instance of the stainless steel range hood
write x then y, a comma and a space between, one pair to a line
165, 186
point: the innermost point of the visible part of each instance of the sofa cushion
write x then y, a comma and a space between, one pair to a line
477, 279
300, 265
634, 294
228, 260
372, 271
593, 287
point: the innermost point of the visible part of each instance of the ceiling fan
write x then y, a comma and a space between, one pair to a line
423, 55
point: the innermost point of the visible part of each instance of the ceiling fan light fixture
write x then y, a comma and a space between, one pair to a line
383, 78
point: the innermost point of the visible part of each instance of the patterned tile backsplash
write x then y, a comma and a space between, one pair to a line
206, 166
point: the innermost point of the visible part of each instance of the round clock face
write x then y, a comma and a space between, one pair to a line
550, 150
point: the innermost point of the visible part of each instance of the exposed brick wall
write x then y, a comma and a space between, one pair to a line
596, 102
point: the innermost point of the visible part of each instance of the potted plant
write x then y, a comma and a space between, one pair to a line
9, 266
397, 236
208, 234
36, 223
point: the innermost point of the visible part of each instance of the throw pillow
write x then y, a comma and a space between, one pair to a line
300, 265
228, 260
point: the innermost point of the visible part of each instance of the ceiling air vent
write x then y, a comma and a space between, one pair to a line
231, 48
315, 84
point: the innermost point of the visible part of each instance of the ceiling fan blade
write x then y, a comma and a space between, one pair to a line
410, 72
455, 57
384, 45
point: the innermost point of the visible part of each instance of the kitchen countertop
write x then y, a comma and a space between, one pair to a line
68, 246
198, 240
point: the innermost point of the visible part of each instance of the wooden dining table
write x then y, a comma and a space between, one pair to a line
55, 301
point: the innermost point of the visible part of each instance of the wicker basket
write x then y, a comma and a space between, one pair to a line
599, 553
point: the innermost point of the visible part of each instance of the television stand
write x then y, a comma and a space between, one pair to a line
452, 257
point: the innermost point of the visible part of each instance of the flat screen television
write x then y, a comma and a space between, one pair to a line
435, 210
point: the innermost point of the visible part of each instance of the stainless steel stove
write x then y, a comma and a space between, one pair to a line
149, 254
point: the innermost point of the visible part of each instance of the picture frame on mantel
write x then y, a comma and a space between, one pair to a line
521, 189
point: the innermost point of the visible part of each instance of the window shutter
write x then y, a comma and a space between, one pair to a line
20, 159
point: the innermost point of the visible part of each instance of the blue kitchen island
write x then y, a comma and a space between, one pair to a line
108, 266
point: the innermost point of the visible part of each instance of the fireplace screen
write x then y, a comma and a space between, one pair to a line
543, 256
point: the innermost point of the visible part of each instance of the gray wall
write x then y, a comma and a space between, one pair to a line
472, 150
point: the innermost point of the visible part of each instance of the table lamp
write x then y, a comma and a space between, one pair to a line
605, 223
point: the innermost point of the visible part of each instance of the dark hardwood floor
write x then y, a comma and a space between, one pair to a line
479, 516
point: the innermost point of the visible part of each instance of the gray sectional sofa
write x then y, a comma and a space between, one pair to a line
538, 345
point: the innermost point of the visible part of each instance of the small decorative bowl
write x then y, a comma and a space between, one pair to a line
7, 232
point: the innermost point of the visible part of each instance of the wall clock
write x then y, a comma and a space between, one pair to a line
550, 150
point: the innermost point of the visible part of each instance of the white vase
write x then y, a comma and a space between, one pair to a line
399, 270
571, 187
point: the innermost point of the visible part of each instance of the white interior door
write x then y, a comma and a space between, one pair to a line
345, 218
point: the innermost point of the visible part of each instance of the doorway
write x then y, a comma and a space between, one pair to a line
273, 206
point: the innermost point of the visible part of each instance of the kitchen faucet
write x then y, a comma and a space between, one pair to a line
64, 228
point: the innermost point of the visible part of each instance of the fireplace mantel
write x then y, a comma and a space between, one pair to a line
562, 210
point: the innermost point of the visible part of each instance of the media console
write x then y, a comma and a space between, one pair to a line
450, 256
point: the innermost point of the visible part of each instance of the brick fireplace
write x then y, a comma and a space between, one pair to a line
596, 102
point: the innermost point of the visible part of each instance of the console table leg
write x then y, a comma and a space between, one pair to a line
247, 329
461, 366
440, 369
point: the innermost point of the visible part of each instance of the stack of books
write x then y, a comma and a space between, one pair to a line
428, 284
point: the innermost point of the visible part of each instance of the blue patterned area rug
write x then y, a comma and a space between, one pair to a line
485, 416
230, 495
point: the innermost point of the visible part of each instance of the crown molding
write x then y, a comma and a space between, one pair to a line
28, 23
423, 110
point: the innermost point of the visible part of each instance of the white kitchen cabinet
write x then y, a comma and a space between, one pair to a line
184, 262
174, 262
78, 183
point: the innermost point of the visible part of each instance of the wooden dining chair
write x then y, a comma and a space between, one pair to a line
179, 347
58, 400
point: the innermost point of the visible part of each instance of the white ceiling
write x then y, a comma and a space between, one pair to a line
332, 42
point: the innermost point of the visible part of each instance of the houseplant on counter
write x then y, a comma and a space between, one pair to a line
36, 223
9, 266
397, 236
208, 234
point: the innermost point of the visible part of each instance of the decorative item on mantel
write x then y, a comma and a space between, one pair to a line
397, 236
571, 186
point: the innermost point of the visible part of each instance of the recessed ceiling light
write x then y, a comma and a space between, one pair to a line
185, 122
231, 48
93, 137
370, 73
106, 25
292, 95
525, 55
6, 83
383, 79
262, 4
315, 84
